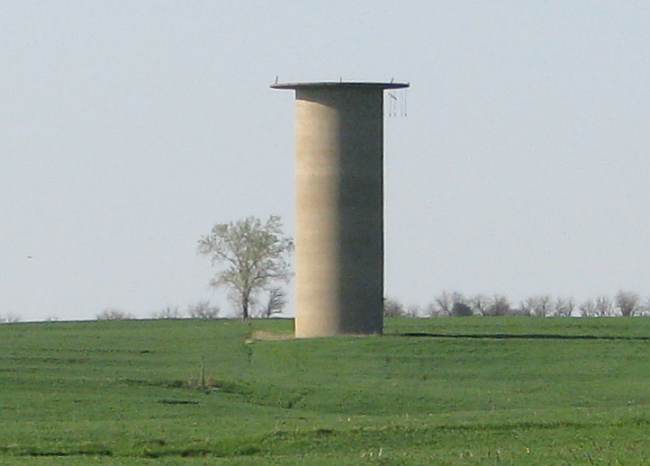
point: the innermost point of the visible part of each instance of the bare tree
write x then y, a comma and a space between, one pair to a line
10, 318
168, 312
393, 308
446, 300
603, 306
253, 254
564, 307
526, 306
443, 303
545, 305
114, 314
499, 305
479, 304
538, 306
412, 310
627, 302
275, 302
203, 310
588, 308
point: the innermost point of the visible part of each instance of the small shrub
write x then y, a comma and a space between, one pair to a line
168, 312
203, 310
114, 314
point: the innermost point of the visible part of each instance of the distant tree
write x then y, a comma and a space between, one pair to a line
645, 308
445, 301
431, 310
603, 306
479, 304
393, 308
203, 310
499, 305
10, 318
588, 308
412, 310
113, 314
275, 301
627, 303
253, 254
460, 309
564, 307
168, 312
538, 306
526, 307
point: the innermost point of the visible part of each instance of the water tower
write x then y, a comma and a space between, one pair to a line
339, 207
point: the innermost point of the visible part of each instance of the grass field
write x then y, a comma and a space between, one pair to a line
431, 391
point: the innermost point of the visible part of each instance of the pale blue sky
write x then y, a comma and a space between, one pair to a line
128, 128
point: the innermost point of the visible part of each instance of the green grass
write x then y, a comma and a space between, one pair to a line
465, 391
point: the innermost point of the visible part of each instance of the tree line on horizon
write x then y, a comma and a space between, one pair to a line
253, 263
205, 310
455, 304
445, 304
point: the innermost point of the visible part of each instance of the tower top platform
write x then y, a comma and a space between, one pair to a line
340, 85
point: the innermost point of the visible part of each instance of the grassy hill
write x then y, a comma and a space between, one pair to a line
436, 391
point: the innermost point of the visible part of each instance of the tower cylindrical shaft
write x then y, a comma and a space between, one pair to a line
339, 207
339, 237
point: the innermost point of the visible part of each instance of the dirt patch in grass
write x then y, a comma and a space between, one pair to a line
261, 335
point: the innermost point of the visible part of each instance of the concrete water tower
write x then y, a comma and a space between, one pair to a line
339, 207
